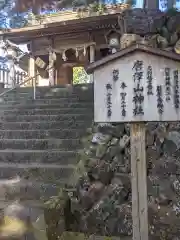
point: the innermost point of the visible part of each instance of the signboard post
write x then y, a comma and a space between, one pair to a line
137, 85
138, 180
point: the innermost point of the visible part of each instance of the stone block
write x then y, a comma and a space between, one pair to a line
38, 156
44, 125
45, 175
42, 134
40, 144
143, 21
50, 118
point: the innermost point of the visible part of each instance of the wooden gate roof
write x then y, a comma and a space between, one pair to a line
69, 27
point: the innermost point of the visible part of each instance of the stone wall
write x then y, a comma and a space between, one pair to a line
101, 203
104, 191
151, 27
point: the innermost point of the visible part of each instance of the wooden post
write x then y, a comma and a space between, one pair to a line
52, 58
92, 59
139, 182
32, 66
32, 70
12, 81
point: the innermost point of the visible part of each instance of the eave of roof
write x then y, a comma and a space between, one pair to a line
131, 49
25, 34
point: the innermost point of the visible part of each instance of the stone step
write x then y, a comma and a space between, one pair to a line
16, 91
44, 173
75, 89
63, 88
32, 182
11, 97
46, 125
39, 156
64, 92
42, 134
48, 97
30, 191
42, 144
44, 101
32, 118
37, 105
27, 98
28, 203
83, 92
17, 95
48, 111
55, 93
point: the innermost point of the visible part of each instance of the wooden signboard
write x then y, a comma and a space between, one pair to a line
136, 85
136, 88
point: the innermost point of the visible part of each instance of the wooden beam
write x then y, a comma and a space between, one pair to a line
92, 59
139, 182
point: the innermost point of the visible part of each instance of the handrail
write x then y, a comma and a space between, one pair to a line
26, 81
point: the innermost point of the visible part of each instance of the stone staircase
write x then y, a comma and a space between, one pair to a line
40, 139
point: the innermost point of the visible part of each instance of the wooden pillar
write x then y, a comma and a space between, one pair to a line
151, 4
32, 70
69, 74
52, 58
65, 75
139, 182
12, 80
64, 71
92, 59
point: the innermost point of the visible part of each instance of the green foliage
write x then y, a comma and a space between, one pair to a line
57, 202
80, 75
97, 7
73, 236
80, 169
131, 2
172, 12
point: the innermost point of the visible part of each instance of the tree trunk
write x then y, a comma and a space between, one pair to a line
36, 8
144, 3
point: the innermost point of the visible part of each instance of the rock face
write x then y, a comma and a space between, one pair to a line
150, 27
104, 190
143, 21
103, 194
